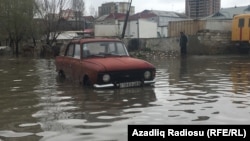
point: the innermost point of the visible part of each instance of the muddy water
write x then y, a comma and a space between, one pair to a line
37, 106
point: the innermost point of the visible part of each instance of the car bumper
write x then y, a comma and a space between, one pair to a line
100, 86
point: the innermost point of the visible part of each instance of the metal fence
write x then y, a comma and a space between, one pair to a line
191, 27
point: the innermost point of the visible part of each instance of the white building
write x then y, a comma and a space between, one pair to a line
146, 24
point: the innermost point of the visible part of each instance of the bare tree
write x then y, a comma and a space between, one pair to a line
16, 16
92, 11
78, 6
49, 12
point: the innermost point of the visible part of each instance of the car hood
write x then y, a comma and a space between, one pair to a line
120, 63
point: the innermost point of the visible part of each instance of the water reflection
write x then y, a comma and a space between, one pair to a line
17, 100
240, 76
202, 88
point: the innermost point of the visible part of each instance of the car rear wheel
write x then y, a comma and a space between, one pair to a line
86, 81
61, 74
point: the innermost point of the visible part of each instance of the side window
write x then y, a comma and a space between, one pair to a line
121, 49
70, 50
241, 22
77, 52
85, 51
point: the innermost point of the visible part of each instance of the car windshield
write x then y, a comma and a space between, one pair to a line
103, 49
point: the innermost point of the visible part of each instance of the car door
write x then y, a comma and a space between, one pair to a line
76, 62
67, 60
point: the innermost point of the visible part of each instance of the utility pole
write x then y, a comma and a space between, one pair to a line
126, 20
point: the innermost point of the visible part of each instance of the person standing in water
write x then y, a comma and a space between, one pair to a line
183, 43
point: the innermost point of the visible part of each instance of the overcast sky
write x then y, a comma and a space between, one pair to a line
165, 5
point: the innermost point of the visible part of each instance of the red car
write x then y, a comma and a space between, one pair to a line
102, 63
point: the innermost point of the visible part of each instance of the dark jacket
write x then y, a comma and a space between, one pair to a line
183, 40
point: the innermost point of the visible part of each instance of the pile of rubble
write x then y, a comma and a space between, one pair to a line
153, 54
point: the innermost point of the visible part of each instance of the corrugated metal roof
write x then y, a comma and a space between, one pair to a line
156, 13
116, 16
165, 13
111, 16
102, 18
229, 13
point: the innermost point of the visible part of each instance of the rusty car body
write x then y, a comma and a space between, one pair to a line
103, 63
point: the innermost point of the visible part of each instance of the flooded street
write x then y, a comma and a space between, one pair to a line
37, 106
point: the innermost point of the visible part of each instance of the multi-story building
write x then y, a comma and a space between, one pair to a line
115, 7
201, 8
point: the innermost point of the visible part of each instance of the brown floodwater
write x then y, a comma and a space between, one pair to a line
37, 106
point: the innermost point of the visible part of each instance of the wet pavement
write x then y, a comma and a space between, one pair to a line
36, 105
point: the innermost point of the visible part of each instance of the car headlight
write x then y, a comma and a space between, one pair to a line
106, 78
147, 75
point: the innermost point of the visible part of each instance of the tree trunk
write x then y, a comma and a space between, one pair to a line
12, 46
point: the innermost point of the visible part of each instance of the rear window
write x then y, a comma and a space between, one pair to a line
102, 48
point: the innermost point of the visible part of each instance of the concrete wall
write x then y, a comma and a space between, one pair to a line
165, 45
203, 43
211, 42
221, 25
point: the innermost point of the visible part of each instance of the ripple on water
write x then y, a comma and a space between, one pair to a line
28, 124
12, 134
201, 118
13, 89
18, 80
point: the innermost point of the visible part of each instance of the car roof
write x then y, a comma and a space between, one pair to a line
96, 39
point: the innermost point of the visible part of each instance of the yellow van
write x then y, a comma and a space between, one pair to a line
241, 31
